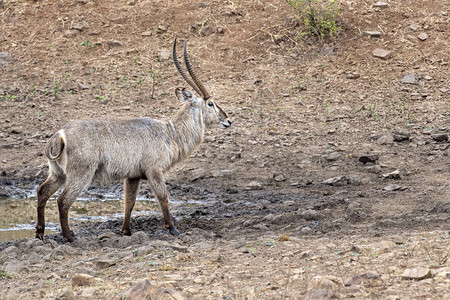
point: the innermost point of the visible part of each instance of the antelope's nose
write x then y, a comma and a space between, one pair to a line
227, 123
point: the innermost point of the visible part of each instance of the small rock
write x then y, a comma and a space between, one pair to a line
88, 293
144, 250
353, 76
380, 4
374, 34
333, 156
326, 51
410, 79
423, 36
414, 27
141, 290
376, 169
354, 180
336, 181
393, 187
222, 173
362, 278
207, 31
321, 282
321, 294
81, 26
82, 86
372, 158
84, 280
70, 33
440, 137
393, 175
279, 177
385, 139
147, 33
163, 56
381, 53
401, 136
164, 293
417, 273
253, 185
114, 43
309, 214
197, 174
104, 263
5, 58
161, 29
66, 295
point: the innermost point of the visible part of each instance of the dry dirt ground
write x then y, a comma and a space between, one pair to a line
332, 182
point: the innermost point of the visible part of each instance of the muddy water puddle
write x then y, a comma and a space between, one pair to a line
18, 216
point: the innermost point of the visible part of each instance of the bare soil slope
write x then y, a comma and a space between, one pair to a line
333, 166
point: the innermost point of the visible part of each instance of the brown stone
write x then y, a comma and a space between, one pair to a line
381, 53
417, 273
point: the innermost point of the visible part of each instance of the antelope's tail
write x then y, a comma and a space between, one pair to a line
55, 147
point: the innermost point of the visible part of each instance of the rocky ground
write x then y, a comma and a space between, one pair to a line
332, 181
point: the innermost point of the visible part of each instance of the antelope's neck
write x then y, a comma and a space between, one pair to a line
188, 129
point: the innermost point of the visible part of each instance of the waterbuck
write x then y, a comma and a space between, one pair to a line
129, 150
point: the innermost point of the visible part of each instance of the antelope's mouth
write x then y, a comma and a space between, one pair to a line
225, 124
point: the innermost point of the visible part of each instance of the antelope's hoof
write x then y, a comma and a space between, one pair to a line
68, 239
174, 231
39, 235
39, 232
125, 231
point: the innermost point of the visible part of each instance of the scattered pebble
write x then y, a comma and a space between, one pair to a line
336, 181
393, 188
380, 4
364, 278
440, 137
373, 34
393, 175
417, 273
410, 79
381, 53
423, 36
371, 158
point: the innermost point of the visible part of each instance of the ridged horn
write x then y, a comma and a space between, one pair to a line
202, 88
180, 69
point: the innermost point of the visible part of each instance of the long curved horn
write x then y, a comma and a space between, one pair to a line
205, 93
180, 69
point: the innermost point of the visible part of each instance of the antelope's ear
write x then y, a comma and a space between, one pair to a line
184, 95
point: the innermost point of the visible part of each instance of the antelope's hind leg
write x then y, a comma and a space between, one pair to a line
74, 186
160, 190
54, 181
131, 187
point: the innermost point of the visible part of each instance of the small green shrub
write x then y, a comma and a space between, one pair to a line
319, 17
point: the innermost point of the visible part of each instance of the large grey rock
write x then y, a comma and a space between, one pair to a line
15, 266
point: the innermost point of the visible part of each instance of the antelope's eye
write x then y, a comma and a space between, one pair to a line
211, 104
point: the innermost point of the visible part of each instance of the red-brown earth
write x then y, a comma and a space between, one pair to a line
287, 204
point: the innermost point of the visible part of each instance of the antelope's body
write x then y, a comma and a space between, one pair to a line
129, 150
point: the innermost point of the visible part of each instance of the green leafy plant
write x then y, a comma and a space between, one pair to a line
156, 79
319, 17
4, 274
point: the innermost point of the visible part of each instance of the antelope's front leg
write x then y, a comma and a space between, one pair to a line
159, 189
